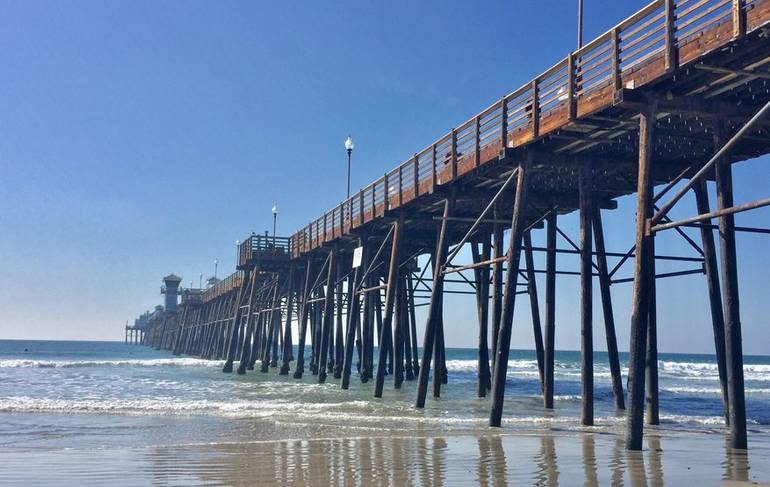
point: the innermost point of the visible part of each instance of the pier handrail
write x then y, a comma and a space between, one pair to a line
229, 283
649, 44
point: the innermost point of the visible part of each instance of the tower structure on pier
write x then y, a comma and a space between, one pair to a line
171, 289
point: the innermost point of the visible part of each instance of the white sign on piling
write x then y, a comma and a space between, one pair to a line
358, 253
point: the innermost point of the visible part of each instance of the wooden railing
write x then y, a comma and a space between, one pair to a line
651, 43
229, 283
263, 246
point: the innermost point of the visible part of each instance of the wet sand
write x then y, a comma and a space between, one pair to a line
545, 457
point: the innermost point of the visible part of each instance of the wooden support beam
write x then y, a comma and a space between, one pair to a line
714, 292
651, 369
481, 276
497, 280
586, 297
286, 355
509, 298
304, 314
640, 300
731, 305
246, 341
385, 333
609, 317
328, 317
273, 323
550, 310
339, 350
353, 317
398, 330
537, 333
235, 327
429, 339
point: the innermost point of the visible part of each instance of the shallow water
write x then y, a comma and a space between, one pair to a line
93, 412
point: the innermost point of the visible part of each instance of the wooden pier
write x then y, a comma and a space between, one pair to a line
660, 104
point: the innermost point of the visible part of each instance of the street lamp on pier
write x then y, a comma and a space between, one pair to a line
349, 147
275, 220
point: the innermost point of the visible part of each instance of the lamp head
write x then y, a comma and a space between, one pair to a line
349, 144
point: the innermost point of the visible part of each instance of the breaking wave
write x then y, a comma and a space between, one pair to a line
64, 364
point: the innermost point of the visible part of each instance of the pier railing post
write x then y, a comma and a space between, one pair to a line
640, 300
509, 296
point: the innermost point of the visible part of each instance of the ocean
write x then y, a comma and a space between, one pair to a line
107, 412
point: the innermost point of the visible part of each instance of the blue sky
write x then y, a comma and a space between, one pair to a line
142, 138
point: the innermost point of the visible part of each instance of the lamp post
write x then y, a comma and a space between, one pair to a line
275, 219
200, 281
237, 252
580, 24
216, 264
349, 147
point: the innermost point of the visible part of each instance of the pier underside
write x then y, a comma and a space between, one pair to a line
669, 99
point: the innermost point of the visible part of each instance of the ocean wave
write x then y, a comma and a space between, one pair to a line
63, 364
711, 390
710, 371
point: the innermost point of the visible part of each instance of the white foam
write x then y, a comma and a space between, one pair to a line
710, 390
710, 371
160, 362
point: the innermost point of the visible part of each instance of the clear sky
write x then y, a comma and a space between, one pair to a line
143, 138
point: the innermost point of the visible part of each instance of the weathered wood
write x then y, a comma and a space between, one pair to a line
286, 355
586, 297
339, 349
243, 294
386, 333
652, 393
537, 331
353, 317
274, 323
246, 346
497, 280
413, 326
609, 317
730, 303
429, 340
304, 314
509, 298
714, 292
640, 300
550, 310
328, 317
481, 275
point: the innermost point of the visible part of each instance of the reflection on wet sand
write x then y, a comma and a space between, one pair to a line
485, 459
736, 463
